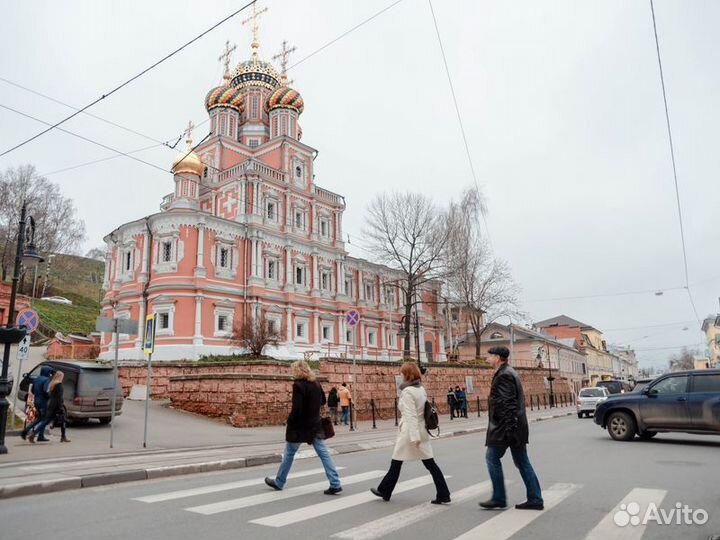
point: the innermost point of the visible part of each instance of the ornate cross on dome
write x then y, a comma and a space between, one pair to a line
188, 133
283, 56
254, 27
225, 56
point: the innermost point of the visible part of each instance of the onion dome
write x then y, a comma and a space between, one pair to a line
225, 96
285, 98
256, 73
188, 162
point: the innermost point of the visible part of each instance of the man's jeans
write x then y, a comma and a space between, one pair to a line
40, 414
345, 415
522, 462
322, 452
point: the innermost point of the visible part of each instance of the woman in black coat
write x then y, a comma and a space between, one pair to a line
55, 410
304, 426
332, 402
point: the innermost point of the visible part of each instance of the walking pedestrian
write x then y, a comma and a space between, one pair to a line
332, 403
413, 440
39, 389
55, 409
303, 426
345, 399
452, 402
508, 428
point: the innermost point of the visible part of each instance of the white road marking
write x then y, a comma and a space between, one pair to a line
172, 495
272, 496
339, 503
608, 530
399, 520
509, 522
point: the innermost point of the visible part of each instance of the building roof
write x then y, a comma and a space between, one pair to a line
563, 320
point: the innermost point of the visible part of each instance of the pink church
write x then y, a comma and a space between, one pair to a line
247, 232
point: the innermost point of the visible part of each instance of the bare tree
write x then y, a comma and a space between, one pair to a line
481, 285
254, 334
682, 361
409, 233
58, 229
97, 253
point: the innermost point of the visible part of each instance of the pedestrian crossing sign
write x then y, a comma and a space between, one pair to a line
149, 341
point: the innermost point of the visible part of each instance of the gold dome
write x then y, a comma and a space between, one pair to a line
255, 72
188, 162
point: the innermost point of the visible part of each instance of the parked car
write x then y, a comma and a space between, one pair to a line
615, 387
683, 401
58, 300
589, 398
640, 384
87, 389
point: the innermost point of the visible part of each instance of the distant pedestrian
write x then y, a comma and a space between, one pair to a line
55, 410
304, 426
461, 402
345, 399
413, 440
452, 402
508, 428
39, 389
332, 402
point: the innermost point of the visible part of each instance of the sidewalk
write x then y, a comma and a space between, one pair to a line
88, 461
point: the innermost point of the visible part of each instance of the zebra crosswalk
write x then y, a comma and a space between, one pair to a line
353, 516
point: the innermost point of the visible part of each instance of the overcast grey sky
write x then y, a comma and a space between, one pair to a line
561, 102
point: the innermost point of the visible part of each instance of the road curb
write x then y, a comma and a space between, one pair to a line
163, 471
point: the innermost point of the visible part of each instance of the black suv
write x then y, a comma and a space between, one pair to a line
686, 401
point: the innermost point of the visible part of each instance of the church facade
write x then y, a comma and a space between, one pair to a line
248, 233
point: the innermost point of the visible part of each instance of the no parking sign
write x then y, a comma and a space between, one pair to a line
28, 319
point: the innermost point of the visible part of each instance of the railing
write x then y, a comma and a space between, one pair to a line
251, 166
327, 195
167, 201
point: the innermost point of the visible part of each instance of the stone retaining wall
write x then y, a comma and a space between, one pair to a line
258, 393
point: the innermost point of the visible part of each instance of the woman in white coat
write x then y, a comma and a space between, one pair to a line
413, 441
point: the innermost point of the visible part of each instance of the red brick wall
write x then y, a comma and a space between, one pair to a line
258, 393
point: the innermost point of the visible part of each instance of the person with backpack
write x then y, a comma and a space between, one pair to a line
508, 428
41, 396
413, 440
332, 403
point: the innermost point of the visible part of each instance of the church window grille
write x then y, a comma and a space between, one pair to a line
271, 211
166, 251
163, 321
275, 126
283, 126
128, 260
272, 269
300, 329
222, 125
254, 106
324, 228
253, 143
224, 257
222, 323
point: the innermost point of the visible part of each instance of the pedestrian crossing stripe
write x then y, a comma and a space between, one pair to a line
400, 520
173, 495
341, 503
509, 522
607, 529
272, 496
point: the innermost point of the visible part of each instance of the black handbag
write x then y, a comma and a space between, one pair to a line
327, 427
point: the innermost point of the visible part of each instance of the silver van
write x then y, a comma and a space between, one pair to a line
87, 389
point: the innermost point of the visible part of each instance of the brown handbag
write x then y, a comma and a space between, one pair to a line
327, 426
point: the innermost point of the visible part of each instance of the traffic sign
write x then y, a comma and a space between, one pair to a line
28, 319
352, 317
23, 349
149, 340
124, 326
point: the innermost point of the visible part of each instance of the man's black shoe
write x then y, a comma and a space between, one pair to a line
271, 482
530, 506
438, 500
332, 490
492, 505
23, 435
377, 493
42, 439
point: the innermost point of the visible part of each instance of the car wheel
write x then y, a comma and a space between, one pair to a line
580, 415
621, 426
587, 413
105, 420
647, 435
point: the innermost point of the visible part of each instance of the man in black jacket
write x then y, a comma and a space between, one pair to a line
508, 428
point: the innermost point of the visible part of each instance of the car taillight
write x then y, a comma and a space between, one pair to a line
77, 400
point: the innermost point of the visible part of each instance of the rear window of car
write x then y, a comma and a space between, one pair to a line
706, 383
95, 380
592, 392
612, 386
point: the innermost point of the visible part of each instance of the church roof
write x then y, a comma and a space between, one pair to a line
563, 320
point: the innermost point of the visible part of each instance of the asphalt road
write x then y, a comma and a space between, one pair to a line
585, 473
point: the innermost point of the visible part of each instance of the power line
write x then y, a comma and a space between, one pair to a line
96, 143
50, 98
459, 116
135, 77
648, 326
343, 35
605, 295
672, 158
73, 167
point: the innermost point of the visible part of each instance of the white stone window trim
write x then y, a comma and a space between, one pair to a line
177, 251
275, 319
229, 313
391, 340
331, 331
372, 336
226, 272
170, 312
304, 323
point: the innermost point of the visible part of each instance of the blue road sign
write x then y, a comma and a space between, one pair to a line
28, 319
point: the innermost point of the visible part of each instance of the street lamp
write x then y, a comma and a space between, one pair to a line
26, 254
550, 377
